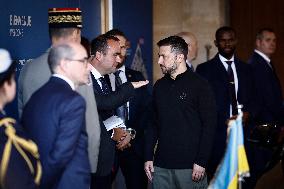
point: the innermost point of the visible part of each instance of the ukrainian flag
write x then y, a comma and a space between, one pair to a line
234, 165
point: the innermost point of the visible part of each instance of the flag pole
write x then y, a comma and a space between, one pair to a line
240, 178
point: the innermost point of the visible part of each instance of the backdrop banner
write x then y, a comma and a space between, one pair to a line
24, 29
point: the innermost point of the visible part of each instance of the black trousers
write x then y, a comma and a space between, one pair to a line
132, 167
100, 182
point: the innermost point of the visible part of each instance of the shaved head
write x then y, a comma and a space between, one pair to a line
191, 40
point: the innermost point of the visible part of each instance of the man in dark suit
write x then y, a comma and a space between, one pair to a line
269, 97
232, 85
54, 118
105, 55
265, 79
131, 160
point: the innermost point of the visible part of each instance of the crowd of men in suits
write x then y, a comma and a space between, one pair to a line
174, 138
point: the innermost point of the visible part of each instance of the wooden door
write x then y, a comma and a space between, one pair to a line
248, 16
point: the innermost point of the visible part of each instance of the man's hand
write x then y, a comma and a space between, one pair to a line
118, 134
245, 117
198, 172
125, 143
149, 169
139, 84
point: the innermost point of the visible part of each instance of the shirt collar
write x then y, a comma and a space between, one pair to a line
178, 76
263, 55
95, 72
223, 59
122, 68
189, 63
72, 85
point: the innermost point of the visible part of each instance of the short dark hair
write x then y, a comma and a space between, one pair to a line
115, 32
7, 76
61, 32
222, 30
99, 44
259, 34
58, 53
178, 45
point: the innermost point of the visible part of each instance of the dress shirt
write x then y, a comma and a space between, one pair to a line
223, 59
72, 85
189, 65
96, 75
123, 78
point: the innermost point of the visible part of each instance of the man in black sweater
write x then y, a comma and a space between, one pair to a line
185, 119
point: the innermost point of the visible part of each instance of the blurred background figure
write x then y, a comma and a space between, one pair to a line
191, 40
18, 154
265, 78
270, 107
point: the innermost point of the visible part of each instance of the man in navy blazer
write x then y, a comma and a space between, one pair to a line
266, 81
131, 160
54, 118
215, 71
105, 56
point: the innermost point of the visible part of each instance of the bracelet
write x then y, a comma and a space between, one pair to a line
132, 132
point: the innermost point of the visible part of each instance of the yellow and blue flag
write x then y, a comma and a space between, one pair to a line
234, 165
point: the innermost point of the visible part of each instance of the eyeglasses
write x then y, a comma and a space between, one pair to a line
83, 60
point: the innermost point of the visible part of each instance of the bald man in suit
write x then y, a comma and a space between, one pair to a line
191, 40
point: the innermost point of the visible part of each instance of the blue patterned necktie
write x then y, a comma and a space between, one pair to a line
121, 111
118, 81
105, 88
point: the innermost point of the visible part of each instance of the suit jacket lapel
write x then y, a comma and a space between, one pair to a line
220, 68
96, 86
128, 75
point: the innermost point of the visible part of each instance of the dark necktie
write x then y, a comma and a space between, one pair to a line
118, 81
232, 91
121, 111
105, 87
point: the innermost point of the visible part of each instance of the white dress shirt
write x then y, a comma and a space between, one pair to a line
123, 78
266, 58
223, 59
96, 75
72, 85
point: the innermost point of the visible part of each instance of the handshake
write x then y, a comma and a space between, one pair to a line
123, 136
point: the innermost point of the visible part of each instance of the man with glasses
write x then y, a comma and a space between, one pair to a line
54, 118
36, 73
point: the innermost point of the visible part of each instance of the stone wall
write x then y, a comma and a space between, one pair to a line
201, 17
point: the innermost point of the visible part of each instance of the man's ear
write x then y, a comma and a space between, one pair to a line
99, 56
76, 35
257, 43
180, 57
215, 42
63, 65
